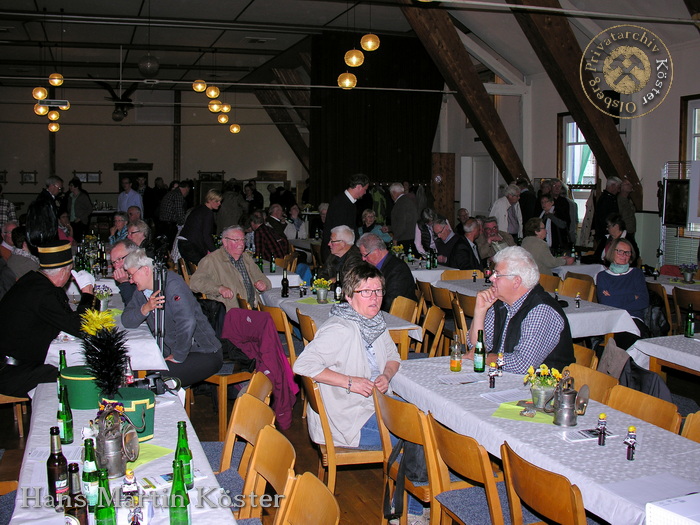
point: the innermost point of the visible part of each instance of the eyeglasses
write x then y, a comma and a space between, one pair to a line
439, 232
60, 188
496, 275
234, 240
131, 275
119, 259
623, 252
133, 232
365, 255
339, 240
368, 293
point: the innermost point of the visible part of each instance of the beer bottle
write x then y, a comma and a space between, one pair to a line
690, 322
313, 280
338, 288
61, 366
128, 373
64, 417
273, 265
285, 284
90, 476
183, 453
179, 501
479, 353
456, 355
57, 470
76, 510
104, 508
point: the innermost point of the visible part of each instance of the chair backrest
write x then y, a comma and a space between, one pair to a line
465, 456
184, 271
659, 290
467, 303
649, 408
280, 262
549, 494
307, 326
455, 275
571, 286
691, 427
405, 308
260, 387
585, 357
682, 298
433, 324
598, 382
581, 277
460, 322
272, 459
243, 303
249, 415
549, 282
308, 501
315, 400
442, 297
426, 299
316, 253
283, 327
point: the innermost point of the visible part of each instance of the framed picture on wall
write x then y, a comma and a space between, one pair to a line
211, 175
27, 177
88, 176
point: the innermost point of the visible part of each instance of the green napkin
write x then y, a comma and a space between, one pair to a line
116, 311
148, 453
511, 410
312, 300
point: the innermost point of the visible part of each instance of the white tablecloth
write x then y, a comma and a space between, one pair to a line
601, 473
168, 412
669, 283
431, 276
676, 349
276, 278
590, 319
589, 269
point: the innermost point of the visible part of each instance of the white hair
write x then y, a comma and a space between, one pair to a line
344, 233
136, 259
512, 189
518, 261
612, 181
397, 187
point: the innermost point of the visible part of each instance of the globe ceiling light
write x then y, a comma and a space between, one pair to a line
54, 115
54, 127
214, 106
118, 115
199, 86
370, 42
39, 93
149, 66
235, 128
222, 118
225, 108
41, 110
66, 107
347, 80
55, 79
354, 58
213, 91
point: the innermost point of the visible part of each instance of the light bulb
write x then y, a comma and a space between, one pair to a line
41, 110
39, 93
213, 91
370, 42
54, 115
222, 118
66, 107
354, 58
235, 128
199, 86
225, 108
214, 106
54, 127
55, 79
347, 80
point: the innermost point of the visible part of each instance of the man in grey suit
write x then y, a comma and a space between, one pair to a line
404, 216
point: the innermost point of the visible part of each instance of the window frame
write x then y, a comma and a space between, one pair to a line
689, 104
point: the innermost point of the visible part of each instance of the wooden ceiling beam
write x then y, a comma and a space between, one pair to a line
436, 31
556, 46
694, 10
301, 98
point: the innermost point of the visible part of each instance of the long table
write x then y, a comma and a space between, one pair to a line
400, 330
676, 351
588, 269
665, 464
669, 283
168, 412
590, 319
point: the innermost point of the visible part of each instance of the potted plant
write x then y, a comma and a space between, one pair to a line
543, 381
322, 286
103, 293
688, 270
397, 250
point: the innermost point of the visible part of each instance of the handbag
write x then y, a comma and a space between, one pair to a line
412, 466
159, 384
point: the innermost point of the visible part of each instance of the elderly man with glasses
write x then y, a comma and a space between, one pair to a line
118, 231
397, 275
492, 239
519, 318
344, 253
119, 253
229, 271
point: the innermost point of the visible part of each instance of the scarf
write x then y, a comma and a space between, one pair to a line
370, 329
619, 268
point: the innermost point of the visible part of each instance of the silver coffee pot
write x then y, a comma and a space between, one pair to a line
117, 442
567, 403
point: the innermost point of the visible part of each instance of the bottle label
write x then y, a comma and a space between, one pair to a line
71, 520
61, 424
479, 362
90, 489
61, 485
187, 472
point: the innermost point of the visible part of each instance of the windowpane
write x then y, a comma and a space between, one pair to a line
695, 115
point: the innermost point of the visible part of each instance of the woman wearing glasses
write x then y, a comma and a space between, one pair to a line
623, 286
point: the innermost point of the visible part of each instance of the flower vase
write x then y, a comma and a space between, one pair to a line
688, 276
322, 296
540, 395
104, 304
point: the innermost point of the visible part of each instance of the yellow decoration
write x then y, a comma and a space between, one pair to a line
543, 376
94, 321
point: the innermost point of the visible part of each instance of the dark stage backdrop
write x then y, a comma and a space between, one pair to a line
387, 135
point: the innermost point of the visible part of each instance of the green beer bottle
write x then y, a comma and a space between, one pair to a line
90, 476
479, 353
61, 366
65, 417
179, 501
690, 322
104, 509
184, 454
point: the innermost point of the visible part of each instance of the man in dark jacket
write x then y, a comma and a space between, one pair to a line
32, 314
397, 275
606, 205
342, 209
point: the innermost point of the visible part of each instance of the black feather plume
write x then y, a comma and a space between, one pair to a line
106, 358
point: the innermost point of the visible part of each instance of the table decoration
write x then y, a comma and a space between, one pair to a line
103, 294
397, 250
688, 270
322, 286
543, 381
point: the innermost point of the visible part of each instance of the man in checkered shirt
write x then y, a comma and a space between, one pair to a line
519, 318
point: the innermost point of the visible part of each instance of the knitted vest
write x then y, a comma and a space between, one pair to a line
424, 236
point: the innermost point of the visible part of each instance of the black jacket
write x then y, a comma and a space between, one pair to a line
340, 211
398, 281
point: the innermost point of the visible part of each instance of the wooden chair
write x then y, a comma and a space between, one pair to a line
598, 382
649, 408
404, 308
307, 326
307, 500
681, 299
330, 456
551, 495
581, 277
585, 357
19, 408
222, 379
243, 304
433, 325
549, 282
460, 322
280, 262
442, 298
260, 387
659, 290
184, 271
272, 459
425, 300
290, 262
456, 275
691, 427
467, 303
283, 327
316, 254
571, 286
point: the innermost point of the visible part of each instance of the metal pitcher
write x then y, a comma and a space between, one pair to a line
117, 442
567, 403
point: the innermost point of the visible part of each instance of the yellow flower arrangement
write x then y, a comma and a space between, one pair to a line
543, 376
322, 283
397, 249
94, 321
